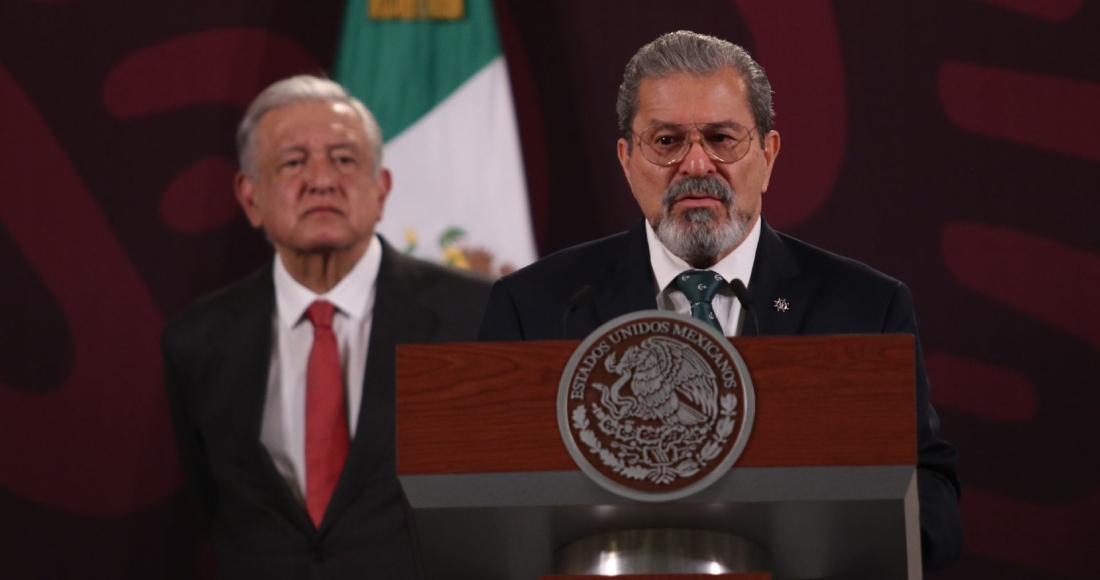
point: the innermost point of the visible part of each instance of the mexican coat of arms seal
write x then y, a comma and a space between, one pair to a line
655, 405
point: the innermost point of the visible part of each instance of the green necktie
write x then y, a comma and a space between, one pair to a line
700, 286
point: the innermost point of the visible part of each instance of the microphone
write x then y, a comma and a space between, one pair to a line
579, 299
742, 295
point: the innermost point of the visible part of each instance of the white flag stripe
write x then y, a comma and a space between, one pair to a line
460, 166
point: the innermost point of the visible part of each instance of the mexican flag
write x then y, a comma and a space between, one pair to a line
433, 74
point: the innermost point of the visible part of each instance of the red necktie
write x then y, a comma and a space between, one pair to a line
326, 413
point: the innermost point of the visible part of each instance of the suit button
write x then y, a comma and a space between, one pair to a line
319, 555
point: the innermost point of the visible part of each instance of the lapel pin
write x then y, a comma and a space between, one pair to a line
781, 304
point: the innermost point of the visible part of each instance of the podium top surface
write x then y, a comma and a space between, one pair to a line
466, 408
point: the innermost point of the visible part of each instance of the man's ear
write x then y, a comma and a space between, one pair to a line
384, 182
771, 151
624, 158
246, 196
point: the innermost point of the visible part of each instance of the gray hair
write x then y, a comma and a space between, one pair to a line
292, 91
691, 52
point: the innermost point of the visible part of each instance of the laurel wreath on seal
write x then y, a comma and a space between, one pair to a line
667, 451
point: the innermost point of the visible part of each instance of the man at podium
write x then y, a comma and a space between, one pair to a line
697, 148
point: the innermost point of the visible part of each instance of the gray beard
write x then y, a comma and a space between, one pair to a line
691, 235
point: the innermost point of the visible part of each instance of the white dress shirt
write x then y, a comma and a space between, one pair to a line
283, 433
737, 265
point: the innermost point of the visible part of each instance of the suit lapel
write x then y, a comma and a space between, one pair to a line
776, 276
399, 316
247, 361
249, 344
629, 285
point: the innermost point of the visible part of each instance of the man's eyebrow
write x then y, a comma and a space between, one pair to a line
660, 123
299, 148
352, 145
292, 149
710, 125
723, 124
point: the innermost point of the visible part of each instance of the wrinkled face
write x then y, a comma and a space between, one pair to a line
316, 190
698, 203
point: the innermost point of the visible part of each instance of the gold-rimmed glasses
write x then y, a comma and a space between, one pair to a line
668, 144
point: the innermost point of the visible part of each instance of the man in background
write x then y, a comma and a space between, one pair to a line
697, 148
281, 386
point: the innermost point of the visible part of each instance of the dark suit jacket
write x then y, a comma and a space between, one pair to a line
828, 294
216, 358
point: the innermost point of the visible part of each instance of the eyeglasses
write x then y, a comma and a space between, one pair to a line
669, 144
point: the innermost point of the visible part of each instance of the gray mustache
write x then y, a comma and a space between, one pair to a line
705, 185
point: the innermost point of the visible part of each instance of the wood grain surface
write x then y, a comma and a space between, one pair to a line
492, 407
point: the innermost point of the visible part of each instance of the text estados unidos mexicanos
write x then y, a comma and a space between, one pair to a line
593, 356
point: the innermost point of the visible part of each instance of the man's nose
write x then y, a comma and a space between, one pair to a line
320, 176
697, 161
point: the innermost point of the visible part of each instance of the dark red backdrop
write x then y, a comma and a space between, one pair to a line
954, 144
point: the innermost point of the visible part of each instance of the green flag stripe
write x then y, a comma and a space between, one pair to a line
403, 68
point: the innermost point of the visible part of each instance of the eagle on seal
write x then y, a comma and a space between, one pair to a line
668, 381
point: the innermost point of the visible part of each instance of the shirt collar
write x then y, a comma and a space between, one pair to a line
350, 295
738, 264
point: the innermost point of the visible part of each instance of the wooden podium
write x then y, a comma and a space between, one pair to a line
827, 482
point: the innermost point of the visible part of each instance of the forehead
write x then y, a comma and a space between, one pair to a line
310, 123
690, 98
